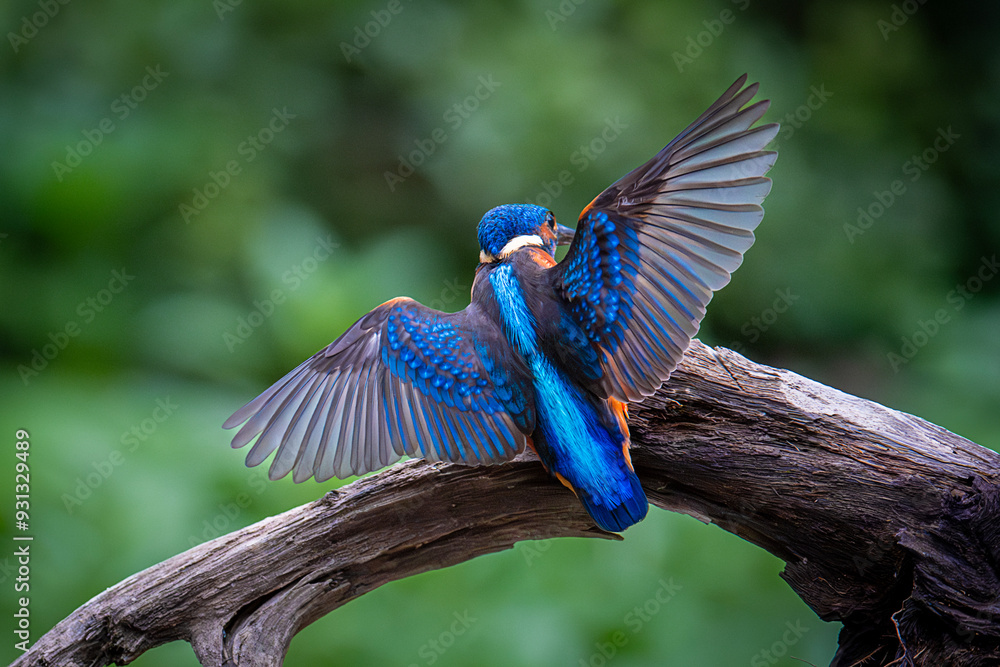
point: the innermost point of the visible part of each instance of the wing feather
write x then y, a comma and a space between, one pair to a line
286, 456
650, 251
315, 433
405, 379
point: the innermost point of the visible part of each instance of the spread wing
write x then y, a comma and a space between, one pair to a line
405, 379
651, 249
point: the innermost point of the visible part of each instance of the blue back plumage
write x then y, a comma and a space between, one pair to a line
581, 449
573, 441
503, 223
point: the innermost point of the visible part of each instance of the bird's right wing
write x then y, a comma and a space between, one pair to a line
405, 379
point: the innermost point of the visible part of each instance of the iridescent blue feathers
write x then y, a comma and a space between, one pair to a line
652, 248
572, 440
504, 223
597, 278
546, 354
405, 379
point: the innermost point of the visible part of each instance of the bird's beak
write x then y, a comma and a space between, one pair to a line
564, 235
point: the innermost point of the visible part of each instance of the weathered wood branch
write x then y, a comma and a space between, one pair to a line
886, 522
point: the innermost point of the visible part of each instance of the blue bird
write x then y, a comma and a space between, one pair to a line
547, 354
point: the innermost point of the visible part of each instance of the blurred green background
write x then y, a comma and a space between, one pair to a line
194, 198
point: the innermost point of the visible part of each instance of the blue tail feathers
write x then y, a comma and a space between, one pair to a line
631, 511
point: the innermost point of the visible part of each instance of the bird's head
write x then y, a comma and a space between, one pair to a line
507, 228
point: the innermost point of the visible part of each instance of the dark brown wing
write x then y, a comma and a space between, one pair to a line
651, 249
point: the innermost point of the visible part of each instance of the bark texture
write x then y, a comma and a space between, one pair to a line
886, 523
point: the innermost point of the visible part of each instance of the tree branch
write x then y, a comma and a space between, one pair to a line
886, 523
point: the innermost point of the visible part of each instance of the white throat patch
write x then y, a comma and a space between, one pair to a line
519, 242
515, 243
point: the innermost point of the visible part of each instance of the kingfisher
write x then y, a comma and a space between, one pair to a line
548, 354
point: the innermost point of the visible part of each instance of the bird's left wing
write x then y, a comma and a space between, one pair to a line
405, 379
650, 250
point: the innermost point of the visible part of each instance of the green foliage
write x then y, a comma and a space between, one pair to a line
229, 161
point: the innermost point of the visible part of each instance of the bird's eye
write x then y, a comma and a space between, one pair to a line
550, 220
